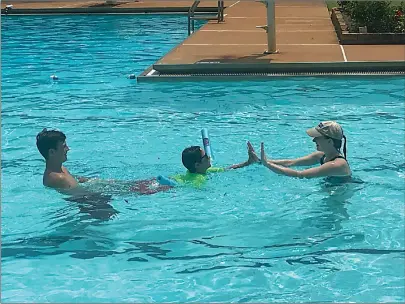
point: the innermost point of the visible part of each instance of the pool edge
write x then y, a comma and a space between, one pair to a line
249, 71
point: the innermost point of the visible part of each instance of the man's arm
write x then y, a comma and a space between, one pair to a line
81, 179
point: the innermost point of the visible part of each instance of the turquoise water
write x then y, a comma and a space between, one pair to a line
248, 235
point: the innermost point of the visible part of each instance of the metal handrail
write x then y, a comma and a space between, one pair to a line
220, 10
191, 14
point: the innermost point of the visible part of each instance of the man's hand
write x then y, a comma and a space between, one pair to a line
82, 179
252, 154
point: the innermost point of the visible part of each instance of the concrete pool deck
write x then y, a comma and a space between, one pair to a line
305, 38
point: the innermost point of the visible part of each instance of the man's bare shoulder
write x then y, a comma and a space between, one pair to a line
59, 180
54, 179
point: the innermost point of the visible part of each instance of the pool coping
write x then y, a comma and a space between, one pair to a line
198, 71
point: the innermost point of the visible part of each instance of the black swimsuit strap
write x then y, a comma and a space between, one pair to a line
322, 160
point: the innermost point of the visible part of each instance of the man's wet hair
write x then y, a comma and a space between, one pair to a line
49, 139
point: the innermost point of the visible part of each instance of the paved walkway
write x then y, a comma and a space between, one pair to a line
304, 33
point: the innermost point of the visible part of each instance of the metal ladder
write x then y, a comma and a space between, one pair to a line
191, 16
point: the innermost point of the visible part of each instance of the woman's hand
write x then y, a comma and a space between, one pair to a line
263, 155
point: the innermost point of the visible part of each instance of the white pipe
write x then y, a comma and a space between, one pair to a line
271, 27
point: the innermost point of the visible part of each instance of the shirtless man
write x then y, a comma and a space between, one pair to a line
52, 146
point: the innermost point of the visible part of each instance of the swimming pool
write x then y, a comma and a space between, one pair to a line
248, 235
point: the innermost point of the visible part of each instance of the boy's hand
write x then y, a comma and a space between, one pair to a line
253, 158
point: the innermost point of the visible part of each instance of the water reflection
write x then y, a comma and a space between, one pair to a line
96, 205
332, 211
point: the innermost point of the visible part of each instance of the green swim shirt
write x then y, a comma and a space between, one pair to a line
195, 179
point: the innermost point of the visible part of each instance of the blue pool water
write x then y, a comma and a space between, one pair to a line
248, 235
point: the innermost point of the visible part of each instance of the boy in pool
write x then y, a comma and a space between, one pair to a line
198, 165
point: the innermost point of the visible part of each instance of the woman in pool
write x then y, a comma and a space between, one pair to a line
328, 136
